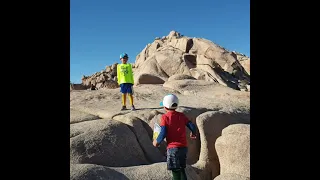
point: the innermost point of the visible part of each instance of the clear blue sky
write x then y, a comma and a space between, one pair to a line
102, 29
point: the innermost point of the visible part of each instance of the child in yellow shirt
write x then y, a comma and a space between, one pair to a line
125, 80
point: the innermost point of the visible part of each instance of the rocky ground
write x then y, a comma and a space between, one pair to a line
106, 143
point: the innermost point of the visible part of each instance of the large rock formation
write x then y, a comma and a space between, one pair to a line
98, 142
197, 57
244, 61
211, 125
105, 79
233, 149
181, 55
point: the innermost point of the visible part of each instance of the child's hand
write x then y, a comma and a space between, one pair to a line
155, 143
193, 136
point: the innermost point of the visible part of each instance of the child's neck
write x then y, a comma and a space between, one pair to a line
171, 110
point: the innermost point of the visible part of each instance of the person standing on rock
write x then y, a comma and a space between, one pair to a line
173, 128
125, 80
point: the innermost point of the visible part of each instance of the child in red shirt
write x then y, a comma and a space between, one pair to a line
173, 128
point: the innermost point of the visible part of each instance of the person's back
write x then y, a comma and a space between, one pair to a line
176, 129
173, 128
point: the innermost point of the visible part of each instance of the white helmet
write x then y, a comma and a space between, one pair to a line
170, 100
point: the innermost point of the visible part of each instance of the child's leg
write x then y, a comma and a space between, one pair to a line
183, 161
176, 174
124, 99
173, 163
130, 93
123, 95
183, 174
131, 99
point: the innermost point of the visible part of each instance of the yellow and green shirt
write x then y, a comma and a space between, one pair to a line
124, 73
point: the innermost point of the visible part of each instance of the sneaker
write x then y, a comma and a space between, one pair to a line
123, 108
133, 108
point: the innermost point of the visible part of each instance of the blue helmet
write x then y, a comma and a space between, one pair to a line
124, 55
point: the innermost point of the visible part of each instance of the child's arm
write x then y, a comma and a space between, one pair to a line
192, 128
131, 74
162, 134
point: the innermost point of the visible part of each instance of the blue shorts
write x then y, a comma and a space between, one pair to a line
126, 88
177, 158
